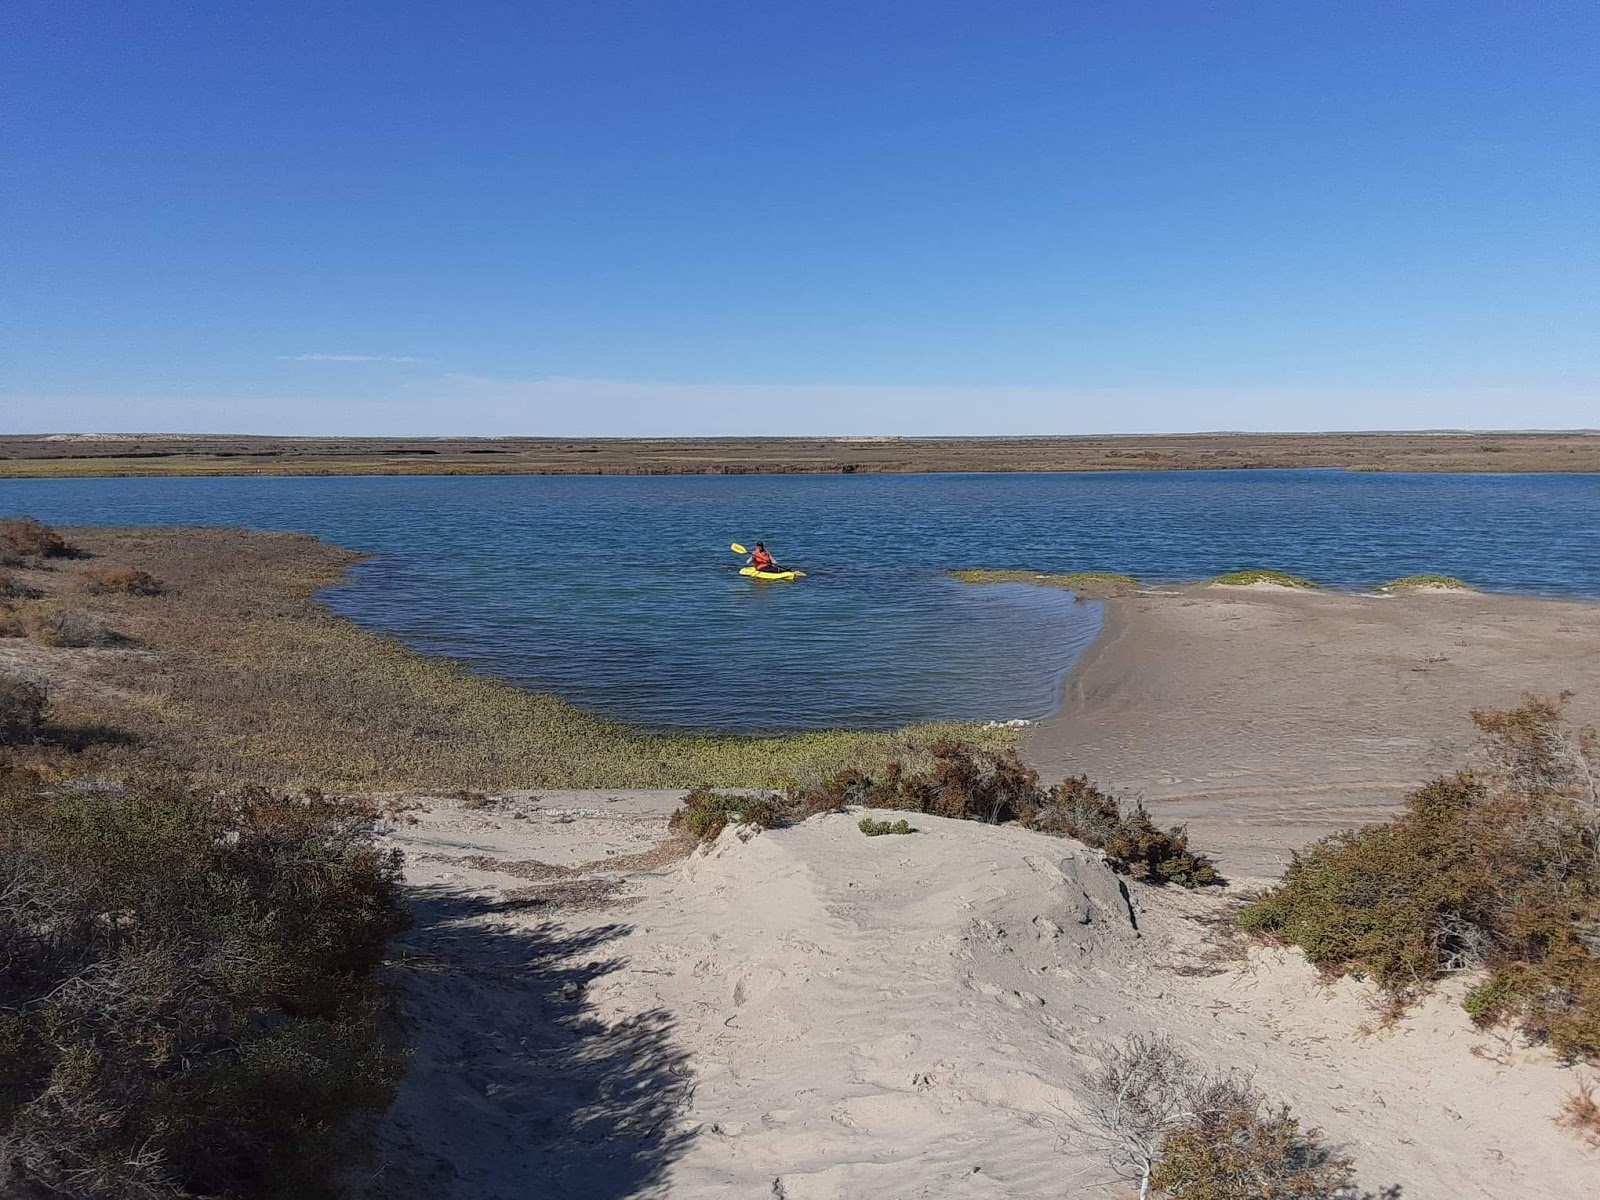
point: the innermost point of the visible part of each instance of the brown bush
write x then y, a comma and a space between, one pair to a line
958, 780
1496, 870
974, 784
71, 629
1075, 808
12, 588
23, 703
189, 1006
127, 581
25, 537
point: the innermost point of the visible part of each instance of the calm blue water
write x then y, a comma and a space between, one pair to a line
620, 594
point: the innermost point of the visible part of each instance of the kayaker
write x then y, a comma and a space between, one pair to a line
760, 559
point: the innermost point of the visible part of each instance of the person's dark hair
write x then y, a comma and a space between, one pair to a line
761, 545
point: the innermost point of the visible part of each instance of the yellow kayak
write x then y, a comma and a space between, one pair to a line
752, 573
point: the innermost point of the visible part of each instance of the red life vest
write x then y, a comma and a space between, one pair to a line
761, 560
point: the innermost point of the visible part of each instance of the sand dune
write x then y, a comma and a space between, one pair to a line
811, 1013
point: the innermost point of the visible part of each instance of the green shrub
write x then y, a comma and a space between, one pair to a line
706, 813
23, 703
1498, 870
23, 536
878, 828
189, 1006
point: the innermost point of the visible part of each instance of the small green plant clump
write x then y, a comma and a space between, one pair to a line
1495, 870
1256, 576
1407, 583
190, 1001
127, 581
878, 828
25, 537
706, 813
1086, 583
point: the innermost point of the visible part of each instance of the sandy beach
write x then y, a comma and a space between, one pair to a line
1265, 717
808, 1013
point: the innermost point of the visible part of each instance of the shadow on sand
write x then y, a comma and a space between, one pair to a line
512, 1090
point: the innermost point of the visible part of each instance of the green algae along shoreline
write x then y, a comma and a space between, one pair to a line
1105, 584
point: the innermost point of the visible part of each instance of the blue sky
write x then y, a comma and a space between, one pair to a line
747, 216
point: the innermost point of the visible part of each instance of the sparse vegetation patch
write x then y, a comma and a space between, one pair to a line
1426, 583
1257, 576
1085, 583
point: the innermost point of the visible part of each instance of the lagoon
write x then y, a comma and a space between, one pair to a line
620, 594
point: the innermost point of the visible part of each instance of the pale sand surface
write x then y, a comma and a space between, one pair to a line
810, 1013
1264, 718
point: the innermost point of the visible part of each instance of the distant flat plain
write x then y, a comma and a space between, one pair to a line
45, 456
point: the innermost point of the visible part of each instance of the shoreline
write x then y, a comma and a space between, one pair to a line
1265, 718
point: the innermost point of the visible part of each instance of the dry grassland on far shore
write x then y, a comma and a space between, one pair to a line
67, 455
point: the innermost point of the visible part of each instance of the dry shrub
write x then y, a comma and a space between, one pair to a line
126, 581
958, 780
706, 813
1497, 869
71, 629
12, 588
189, 1006
1075, 808
1164, 1122
971, 783
1581, 1112
23, 703
1235, 1145
28, 538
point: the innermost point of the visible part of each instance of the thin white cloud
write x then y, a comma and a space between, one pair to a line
351, 358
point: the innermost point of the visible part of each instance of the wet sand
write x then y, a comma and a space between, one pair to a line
1265, 718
